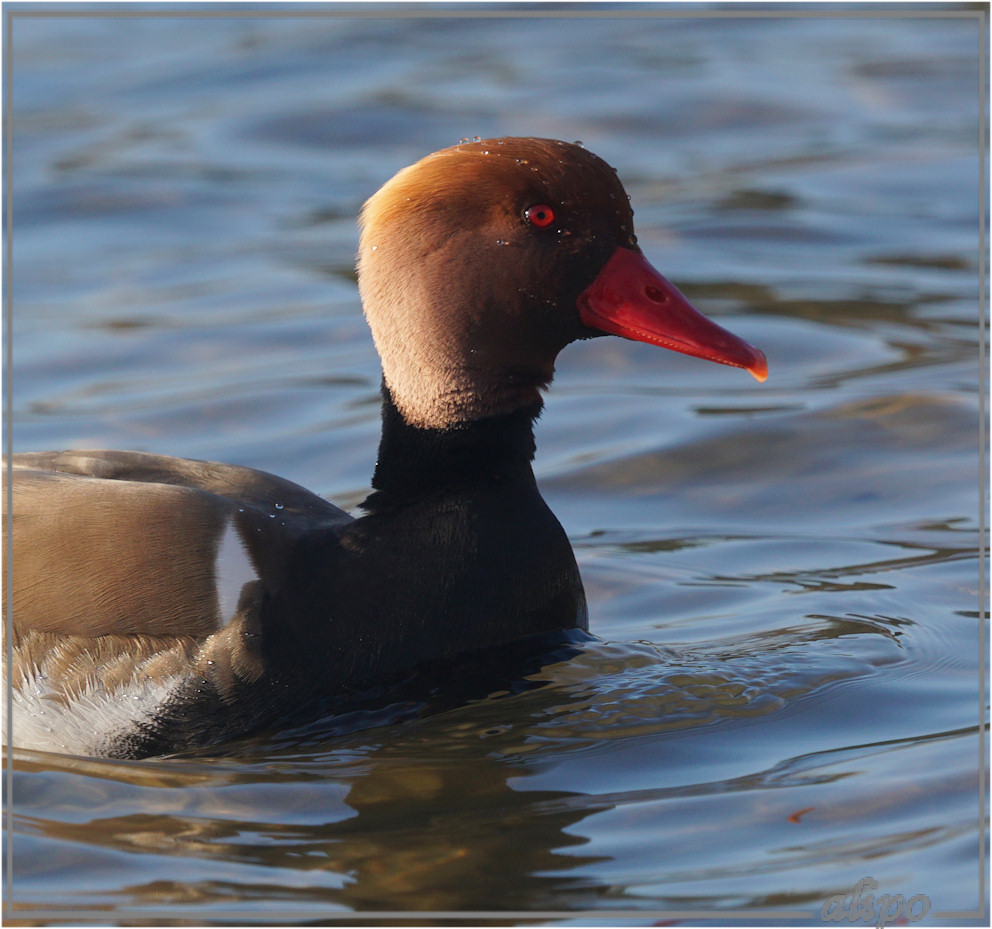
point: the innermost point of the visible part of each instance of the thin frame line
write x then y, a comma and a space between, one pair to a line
359, 916
8, 381
983, 475
410, 11
370, 11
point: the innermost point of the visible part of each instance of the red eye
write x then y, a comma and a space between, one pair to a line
539, 215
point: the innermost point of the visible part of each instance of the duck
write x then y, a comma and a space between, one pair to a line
162, 604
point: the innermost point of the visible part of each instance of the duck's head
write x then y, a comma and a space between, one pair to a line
479, 263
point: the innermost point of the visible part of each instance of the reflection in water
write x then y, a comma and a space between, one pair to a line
408, 835
412, 841
433, 859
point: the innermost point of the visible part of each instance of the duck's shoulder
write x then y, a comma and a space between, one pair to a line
235, 484
107, 542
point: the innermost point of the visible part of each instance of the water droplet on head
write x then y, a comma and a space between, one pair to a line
279, 506
477, 138
577, 142
463, 140
500, 242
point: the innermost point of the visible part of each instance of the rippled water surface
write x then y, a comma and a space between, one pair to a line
782, 697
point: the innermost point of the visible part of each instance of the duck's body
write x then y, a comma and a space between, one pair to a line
340, 603
161, 604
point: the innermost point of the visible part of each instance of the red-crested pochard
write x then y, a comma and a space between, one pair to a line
160, 604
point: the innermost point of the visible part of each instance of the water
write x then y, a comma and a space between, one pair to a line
783, 695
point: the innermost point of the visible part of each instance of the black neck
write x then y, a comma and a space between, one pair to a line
414, 460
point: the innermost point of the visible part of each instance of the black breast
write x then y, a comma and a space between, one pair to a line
457, 555
458, 552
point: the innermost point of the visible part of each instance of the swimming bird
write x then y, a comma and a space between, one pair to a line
160, 604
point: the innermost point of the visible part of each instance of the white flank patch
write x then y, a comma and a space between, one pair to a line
232, 570
88, 725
